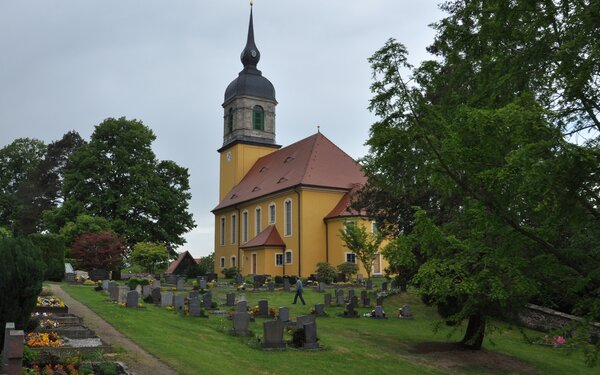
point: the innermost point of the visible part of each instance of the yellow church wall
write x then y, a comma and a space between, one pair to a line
236, 161
316, 204
337, 250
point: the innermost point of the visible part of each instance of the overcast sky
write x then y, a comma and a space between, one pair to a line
69, 64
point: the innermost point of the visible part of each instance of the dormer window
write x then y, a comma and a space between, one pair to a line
258, 118
288, 159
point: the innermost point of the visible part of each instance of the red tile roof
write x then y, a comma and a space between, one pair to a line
175, 264
267, 238
343, 207
313, 161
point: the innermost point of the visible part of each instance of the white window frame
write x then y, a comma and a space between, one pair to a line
245, 226
222, 262
282, 259
346, 256
232, 262
380, 261
273, 216
257, 220
233, 228
291, 257
223, 228
287, 219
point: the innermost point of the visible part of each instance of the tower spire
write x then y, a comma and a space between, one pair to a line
250, 55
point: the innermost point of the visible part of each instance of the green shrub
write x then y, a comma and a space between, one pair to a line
229, 273
21, 275
132, 283
278, 279
53, 254
108, 368
348, 268
325, 272
30, 356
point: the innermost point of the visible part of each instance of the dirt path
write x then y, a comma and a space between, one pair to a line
137, 359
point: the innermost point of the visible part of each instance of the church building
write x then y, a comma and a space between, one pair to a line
280, 209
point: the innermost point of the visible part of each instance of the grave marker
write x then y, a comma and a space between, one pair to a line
320, 309
241, 321
230, 299
166, 299
132, 299
155, 296
273, 335
180, 284
263, 308
179, 303
241, 306
284, 314
327, 299
310, 336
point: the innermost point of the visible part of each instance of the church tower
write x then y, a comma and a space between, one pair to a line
249, 119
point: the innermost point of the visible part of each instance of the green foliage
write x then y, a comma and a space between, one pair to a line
53, 253
149, 255
116, 176
193, 271
83, 224
5, 233
99, 250
325, 272
30, 356
207, 264
404, 258
21, 275
348, 268
133, 282
229, 273
362, 243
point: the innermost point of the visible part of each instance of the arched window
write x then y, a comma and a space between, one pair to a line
258, 118
230, 121
257, 220
287, 217
245, 226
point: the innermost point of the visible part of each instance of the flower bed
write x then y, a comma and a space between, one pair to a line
42, 340
50, 304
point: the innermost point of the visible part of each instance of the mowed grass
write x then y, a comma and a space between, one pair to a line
352, 346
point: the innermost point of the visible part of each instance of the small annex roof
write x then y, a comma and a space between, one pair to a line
313, 161
183, 258
269, 237
343, 209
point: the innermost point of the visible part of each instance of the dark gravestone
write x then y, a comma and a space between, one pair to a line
263, 308
193, 294
207, 300
10, 326
327, 299
180, 284
113, 292
369, 284
340, 278
379, 312
286, 285
238, 279
172, 278
241, 321
271, 286
405, 312
132, 299
284, 314
99, 274
166, 299
339, 297
305, 319
156, 284
14, 352
195, 309
212, 277
320, 309
384, 286
179, 303
363, 297
241, 306
230, 299
350, 294
310, 336
273, 335
367, 302
155, 296
379, 300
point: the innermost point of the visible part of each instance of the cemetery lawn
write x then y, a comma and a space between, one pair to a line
350, 346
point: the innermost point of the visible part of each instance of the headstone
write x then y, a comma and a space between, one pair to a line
286, 285
230, 299
241, 321
273, 335
207, 300
179, 303
123, 290
321, 287
263, 308
195, 309
155, 296
379, 300
384, 286
241, 306
98, 274
105, 284
360, 277
320, 309
369, 284
132, 299
238, 279
155, 284
7, 329
350, 309
70, 277
166, 299
113, 292
340, 278
171, 278
327, 299
284, 314
202, 282
339, 296
138, 289
271, 286
405, 312
146, 290
363, 297
14, 352
212, 277
305, 319
379, 312
350, 294
180, 284
310, 336
193, 294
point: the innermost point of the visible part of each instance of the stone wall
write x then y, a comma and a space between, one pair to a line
544, 319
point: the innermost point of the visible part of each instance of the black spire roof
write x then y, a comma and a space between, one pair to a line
250, 81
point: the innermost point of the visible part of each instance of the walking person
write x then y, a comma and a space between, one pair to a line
299, 292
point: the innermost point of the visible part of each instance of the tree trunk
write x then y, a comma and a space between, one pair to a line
475, 332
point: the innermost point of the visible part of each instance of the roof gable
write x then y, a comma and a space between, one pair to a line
312, 161
267, 238
183, 261
343, 209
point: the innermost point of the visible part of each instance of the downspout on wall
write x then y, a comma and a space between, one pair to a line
299, 235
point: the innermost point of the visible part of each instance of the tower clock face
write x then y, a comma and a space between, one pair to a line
228, 156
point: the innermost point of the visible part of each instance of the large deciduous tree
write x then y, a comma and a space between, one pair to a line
364, 244
487, 163
117, 176
150, 256
103, 250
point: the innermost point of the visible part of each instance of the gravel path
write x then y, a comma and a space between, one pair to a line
137, 359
